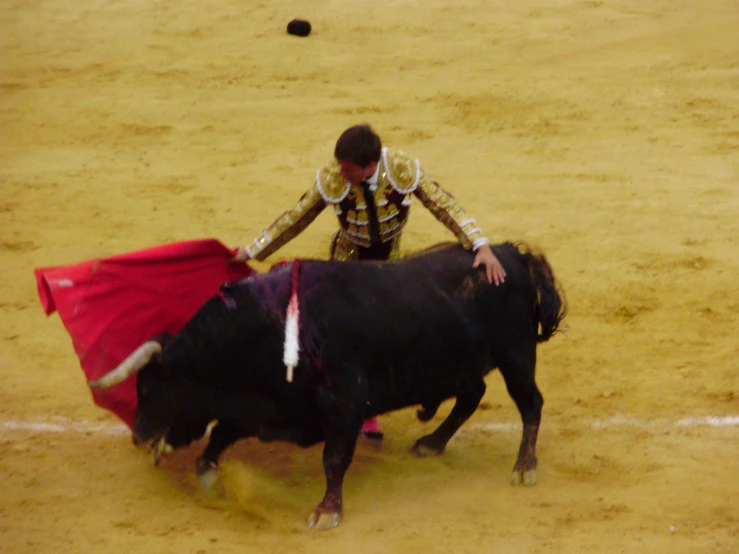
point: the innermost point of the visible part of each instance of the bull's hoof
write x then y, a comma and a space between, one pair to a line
210, 483
523, 477
208, 479
427, 446
325, 521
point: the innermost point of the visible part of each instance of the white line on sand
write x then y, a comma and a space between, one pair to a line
66, 425
622, 421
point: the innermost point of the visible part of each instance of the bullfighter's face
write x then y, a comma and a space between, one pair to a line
354, 173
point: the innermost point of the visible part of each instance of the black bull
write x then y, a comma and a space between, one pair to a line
374, 337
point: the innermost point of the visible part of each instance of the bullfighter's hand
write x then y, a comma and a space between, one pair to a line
241, 255
493, 268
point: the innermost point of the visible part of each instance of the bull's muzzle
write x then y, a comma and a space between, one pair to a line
157, 446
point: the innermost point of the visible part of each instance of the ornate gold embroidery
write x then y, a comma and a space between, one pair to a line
395, 250
387, 212
445, 208
288, 225
343, 250
330, 184
357, 232
388, 230
400, 177
403, 172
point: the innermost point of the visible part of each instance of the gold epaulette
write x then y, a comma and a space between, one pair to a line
329, 182
402, 171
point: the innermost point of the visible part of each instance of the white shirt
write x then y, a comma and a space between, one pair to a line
373, 180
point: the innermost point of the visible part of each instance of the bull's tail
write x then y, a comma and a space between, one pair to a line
551, 305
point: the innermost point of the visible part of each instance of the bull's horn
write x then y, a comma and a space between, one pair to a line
138, 359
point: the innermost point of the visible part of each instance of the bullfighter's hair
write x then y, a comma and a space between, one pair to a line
359, 145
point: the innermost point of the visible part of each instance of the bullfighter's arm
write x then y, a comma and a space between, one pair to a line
288, 226
446, 209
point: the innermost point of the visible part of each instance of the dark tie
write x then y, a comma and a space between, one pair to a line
371, 212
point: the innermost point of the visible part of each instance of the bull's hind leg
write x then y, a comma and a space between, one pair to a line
518, 373
469, 395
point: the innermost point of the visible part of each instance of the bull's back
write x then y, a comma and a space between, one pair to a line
422, 317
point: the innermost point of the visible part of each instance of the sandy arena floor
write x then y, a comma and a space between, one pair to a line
604, 131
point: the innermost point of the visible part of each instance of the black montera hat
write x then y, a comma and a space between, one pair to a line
299, 27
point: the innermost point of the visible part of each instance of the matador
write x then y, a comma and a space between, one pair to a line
371, 188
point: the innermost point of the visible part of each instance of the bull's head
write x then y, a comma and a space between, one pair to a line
162, 400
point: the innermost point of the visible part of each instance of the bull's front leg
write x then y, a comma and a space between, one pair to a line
223, 435
336, 459
342, 429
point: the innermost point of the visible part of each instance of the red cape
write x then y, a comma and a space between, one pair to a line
111, 306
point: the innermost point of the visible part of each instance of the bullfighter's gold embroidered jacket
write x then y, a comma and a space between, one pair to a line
400, 178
